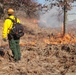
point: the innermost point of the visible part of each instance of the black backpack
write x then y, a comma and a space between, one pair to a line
17, 29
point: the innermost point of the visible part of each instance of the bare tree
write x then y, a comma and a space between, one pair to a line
66, 5
28, 6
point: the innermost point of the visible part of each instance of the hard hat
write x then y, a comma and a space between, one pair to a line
10, 11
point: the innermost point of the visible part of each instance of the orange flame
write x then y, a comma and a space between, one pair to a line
67, 39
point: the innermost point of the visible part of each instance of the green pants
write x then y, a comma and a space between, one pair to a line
15, 47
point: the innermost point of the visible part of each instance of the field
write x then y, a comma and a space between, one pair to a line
44, 51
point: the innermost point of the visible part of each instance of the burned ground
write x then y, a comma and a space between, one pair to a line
44, 52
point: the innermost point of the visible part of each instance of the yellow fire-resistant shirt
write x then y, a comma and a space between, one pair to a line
7, 26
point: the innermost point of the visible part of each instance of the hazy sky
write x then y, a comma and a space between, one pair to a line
71, 13
41, 1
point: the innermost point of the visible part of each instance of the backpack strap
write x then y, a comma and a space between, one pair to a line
14, 21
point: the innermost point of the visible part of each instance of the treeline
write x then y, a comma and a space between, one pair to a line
30, 7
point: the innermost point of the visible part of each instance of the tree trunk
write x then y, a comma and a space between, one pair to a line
64, 22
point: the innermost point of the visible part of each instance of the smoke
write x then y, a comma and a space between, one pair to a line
53, 18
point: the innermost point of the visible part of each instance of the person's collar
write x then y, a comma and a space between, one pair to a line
11, 16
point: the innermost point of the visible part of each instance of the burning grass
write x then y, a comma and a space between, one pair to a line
43, 53
59, 39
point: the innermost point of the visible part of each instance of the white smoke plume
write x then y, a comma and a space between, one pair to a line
53, 18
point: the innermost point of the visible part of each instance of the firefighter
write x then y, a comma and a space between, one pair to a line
13, 41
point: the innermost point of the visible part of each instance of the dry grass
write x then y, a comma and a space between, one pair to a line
39, 57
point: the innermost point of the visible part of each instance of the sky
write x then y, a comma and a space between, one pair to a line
41, 1
71, 13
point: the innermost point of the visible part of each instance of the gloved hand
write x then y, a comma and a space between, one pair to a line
4, 39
